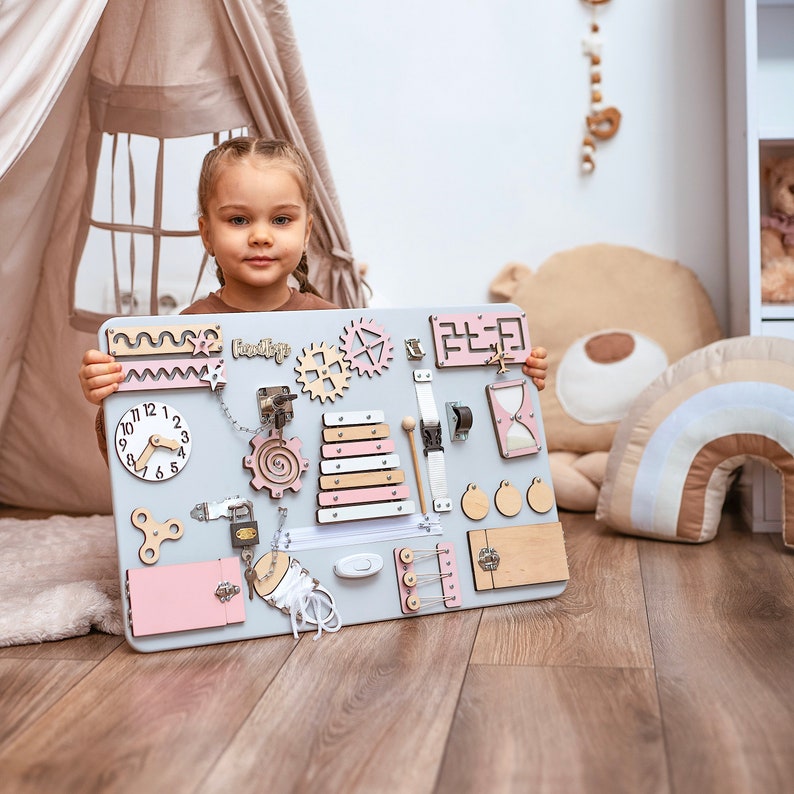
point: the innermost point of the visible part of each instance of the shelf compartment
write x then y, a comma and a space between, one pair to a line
775, 68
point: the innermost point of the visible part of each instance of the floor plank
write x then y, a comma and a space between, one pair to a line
571, 730
599, 620
30, 688
93, 645
722, 623
786, 554
141, 722
367, 710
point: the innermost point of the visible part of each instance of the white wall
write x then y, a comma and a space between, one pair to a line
453, 129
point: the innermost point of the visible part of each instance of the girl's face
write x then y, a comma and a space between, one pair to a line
257, 227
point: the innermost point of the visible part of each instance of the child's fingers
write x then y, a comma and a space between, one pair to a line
96, 357
539, 352
97, 394
535, 367
98, 380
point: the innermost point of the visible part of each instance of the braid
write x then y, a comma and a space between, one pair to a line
219, 275
301, 274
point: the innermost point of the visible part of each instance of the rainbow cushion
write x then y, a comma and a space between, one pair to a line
673, 454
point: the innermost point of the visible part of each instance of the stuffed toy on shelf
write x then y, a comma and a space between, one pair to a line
777, 232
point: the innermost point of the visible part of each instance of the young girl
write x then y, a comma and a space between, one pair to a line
255, 201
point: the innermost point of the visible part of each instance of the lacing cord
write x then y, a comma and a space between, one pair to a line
306, 601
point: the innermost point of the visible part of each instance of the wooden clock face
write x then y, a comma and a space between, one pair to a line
153, 441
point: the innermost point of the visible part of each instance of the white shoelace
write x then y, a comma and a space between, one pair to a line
305, 601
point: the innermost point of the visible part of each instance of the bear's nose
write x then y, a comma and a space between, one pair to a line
609, 347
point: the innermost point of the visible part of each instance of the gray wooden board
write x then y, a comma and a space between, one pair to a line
215, 470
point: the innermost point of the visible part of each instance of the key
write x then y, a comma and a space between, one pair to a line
250, 576
249, 573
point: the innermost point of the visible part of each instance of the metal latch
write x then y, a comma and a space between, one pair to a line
488, 558
225, 591
414, 349
275, 406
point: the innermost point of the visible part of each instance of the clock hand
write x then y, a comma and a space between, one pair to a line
168, 443
154, 442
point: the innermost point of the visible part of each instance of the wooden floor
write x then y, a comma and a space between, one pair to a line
661, 668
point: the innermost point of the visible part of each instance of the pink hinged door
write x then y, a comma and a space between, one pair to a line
196, 595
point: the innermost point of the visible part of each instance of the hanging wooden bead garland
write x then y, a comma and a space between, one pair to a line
601, 123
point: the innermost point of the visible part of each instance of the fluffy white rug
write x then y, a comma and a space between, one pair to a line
58, 579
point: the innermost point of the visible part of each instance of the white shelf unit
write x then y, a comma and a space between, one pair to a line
759, 61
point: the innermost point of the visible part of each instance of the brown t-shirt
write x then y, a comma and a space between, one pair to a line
297, 302
213, 304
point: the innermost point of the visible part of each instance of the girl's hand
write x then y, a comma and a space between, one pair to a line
535, 367
99, 376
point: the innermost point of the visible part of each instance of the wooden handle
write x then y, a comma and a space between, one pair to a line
408, 425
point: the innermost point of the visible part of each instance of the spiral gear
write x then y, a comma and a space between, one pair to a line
323, 372
367, 346
276, 464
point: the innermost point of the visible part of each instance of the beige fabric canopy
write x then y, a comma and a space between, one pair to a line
70, 72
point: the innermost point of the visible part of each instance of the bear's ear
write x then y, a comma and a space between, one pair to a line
767, 167
503, 287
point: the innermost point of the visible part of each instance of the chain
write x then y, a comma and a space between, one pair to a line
235, 424
275, 540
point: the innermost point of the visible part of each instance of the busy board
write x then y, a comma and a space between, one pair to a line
286, 472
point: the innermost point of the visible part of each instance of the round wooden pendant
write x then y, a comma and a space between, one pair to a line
508, 499
474, 502
539, 496
269, 573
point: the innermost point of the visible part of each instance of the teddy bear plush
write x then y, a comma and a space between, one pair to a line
777, 232
612, 319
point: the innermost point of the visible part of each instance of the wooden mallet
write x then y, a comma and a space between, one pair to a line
409, 423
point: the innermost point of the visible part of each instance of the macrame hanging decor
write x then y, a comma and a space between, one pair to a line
601, 122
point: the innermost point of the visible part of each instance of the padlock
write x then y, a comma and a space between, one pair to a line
243, 532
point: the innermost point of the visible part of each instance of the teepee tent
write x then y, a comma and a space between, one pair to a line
74, 76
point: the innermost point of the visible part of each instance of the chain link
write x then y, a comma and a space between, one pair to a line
276, 539
235, 424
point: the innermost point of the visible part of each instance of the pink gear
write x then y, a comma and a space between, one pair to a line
276, 464
367, 346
